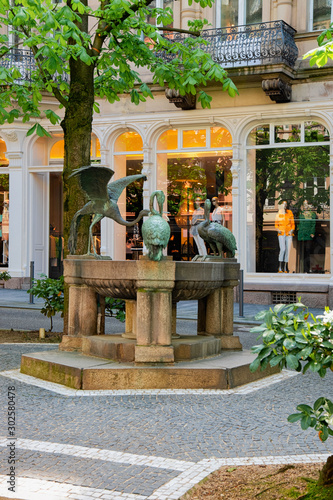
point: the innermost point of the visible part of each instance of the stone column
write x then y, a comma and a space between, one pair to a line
219, 316
130, 320
154, 312
82, 311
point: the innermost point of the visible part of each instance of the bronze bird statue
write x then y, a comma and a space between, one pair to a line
155, 230
103, 197
219, 238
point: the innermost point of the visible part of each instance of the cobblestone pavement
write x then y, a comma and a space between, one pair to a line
146, 444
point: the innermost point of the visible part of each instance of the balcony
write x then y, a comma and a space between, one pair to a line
250, 45
23, 60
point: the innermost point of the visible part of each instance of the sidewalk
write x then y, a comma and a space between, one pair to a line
19, 299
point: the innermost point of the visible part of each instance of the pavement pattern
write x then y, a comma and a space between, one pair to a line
144, 445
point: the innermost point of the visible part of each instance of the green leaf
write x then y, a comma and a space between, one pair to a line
276, 360
254, 365
32, 130
294, 417
292, 361
306, 422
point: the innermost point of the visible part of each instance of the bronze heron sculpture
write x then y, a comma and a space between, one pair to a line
103, 197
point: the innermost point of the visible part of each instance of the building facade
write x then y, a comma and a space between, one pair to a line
266, 154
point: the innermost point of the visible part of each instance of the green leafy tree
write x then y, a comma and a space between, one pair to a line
82, 54
52, 291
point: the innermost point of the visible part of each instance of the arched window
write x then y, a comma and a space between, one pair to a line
57, 150
288, 226
193, 164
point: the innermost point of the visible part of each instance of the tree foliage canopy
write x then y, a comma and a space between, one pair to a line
114, 38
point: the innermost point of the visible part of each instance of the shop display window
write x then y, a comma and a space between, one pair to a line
128, 161
189, 177
288, 215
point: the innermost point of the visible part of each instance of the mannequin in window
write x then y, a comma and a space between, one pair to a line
198, 216
285, 225
306, 233
218, 212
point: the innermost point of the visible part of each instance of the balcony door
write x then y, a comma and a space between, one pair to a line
238, 12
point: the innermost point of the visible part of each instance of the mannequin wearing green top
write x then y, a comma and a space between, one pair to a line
306, 232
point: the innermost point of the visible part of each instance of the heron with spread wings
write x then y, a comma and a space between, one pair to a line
103, 197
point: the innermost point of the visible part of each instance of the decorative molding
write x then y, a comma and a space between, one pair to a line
187, 101
10, 135
277, 89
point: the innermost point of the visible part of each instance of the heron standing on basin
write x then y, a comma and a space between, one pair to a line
103, 198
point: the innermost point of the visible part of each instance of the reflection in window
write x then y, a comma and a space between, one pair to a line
288, 225
129, 141
220, 138
253, 11
315, 132
239, 12
321, 14
194, 138
229, 13
168, 140
188, 179
259, 135
287, 133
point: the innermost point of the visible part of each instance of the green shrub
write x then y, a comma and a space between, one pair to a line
291, 341
115, 308
52, 291
5, 276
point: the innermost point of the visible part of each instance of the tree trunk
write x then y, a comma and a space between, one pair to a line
326, 474
77, 127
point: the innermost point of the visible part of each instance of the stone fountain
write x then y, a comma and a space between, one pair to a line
150, 354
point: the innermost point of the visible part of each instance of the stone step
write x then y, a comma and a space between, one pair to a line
228, 370
120, 349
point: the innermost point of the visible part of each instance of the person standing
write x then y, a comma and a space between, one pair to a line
285, 225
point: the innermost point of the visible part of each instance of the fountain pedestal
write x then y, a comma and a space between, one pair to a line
152, 290
148, 356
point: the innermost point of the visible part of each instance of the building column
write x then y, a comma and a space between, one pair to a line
18, 248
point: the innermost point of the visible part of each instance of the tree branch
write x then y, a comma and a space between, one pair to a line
56, 92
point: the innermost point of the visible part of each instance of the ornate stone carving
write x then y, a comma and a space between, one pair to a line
187, 101
10, 135
277, 89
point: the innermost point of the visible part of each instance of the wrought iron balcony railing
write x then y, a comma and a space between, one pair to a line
250, 45
21, 59
232, 47
24, 61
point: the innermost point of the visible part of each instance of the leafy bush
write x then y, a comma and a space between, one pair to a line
52, 291
291, 341
115, 308
5, 276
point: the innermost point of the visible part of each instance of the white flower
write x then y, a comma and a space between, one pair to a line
327, 317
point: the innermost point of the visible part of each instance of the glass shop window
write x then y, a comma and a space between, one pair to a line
128, 161
288, 202
188, 177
